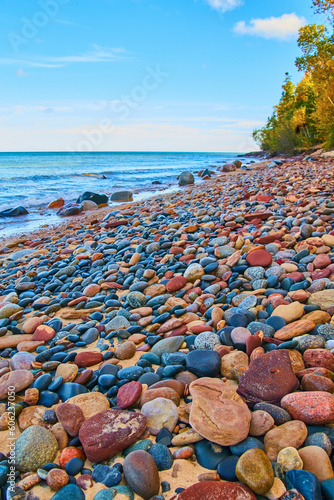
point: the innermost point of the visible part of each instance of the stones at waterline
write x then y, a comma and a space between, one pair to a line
15, 381
217, 412
35, 447
122, 196
160, 413
203, 363
88, 205
109, 432
90, 403
316, 460
69, 210
254, 469
99, 199
71, 417
291, 433
217, 490
312, 408
14, 212
186, 178
56, 203
268, 378
141, 473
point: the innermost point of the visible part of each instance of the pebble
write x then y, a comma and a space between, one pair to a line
141, 473
34, 448
254, 469
160, 413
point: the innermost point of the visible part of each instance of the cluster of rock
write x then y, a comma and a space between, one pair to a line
181, 349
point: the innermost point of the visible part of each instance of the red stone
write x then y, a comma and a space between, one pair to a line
268, 378
264, 240
43, 332
83, 359
176, 283
258, 215
110, 432
200, 329
71, 417
312, 408
321, 261
68, 453
323, 273
128, 394
83, 377
217, 490
313, 382
259, 258
319, 357
252, 343
318, 370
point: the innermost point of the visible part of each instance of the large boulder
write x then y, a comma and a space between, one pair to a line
69, 210
122, 196
186, 178
99, 199
14, 212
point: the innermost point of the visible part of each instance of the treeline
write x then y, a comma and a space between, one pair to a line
304, 116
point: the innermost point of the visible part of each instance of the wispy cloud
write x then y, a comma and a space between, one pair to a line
97, 54
284, 27
21, 73
224, 5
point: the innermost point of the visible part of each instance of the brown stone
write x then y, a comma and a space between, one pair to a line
316, 460
30, 325
109, 432
162, 392
294, 329
177, 385
312, 382
261, 423
31, 415
71, 417
125, 350
268, 378
57, 479
319, 357
231, 361
13, 340
291, 433
141, 473
217, 490
90, 403
44, 332
67, 371
217, 412
86, 358
16, 380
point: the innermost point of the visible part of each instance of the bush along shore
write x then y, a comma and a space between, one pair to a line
182, 348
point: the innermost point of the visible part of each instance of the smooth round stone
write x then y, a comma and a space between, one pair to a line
90, 336
143, 444
70, 389
261, 423
149, 378
159, 413
22, 361
170, 344
305, 482
42, 382
255, 326
209, 454
248, 302
109, 476
71, 491
48, 398
327, 488
162, 456
238, 320
255, 470
203, 363
141, 473
219, 490
107, 381
226, 468
247, 444
259, 258
320, 439
276, 322
239, 335
136, 299
207, 341
34, 448
74, 466
130, 373
289, 459
316, 460
254, 273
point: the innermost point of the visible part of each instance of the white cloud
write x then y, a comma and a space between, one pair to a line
284, 27
224, 5
97, 54
21, 73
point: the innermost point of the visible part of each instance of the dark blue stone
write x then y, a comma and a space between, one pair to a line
164, 437
70, 389
42, 382
55, 384
149, 379
71, 491
327, 488
162, 456
107, 381
104, 474
238, 320
305, 482
109, 370
74, 466
130, 373
48, 398
247, 444
204, 363
290, 344
226, 468
209, 454
276, 322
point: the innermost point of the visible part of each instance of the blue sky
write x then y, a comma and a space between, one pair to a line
143, 75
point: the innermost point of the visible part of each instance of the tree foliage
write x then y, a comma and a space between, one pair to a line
304, 116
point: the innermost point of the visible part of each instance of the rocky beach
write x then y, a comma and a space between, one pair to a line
179, 347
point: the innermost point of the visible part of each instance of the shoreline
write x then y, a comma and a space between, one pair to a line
43, 224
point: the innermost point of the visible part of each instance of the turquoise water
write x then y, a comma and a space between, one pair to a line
35, 179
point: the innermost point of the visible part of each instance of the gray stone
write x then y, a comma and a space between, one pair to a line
34, 448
